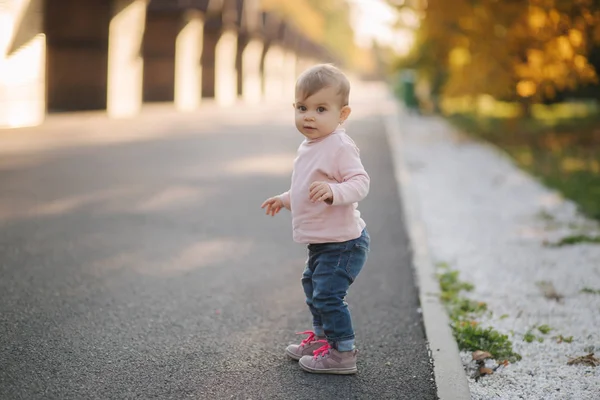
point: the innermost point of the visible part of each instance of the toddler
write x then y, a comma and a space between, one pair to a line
328, 181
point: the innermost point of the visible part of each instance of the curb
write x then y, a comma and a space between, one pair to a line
450, 378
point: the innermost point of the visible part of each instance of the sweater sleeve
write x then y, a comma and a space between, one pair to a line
355, 181
285, 198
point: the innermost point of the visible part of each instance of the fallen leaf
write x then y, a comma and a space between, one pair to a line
485, 371
481, 355
549, 291
588, 360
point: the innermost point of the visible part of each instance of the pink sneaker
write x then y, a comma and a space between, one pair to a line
327, 360
306, 347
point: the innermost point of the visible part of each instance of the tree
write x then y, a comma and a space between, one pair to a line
525, 50
327, 22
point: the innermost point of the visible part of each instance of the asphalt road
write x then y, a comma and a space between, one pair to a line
146, 269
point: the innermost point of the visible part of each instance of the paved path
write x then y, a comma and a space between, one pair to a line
142, 267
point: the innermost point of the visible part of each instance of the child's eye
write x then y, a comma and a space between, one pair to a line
301, 108
321, 109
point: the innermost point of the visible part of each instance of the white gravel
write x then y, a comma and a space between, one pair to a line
489, 220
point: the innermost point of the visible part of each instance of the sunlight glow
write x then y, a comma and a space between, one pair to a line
276, 164
173, 197
125, 64
375, 20
22, 69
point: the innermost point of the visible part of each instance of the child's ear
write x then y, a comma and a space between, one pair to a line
345, 113
294, 105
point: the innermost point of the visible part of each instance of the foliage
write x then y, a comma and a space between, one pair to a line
326, 22
338, 33
473, 337
467, 332
523, 50
451, 285
305, 16
562, 153
589, 290
576, 239
529, 336
563, 339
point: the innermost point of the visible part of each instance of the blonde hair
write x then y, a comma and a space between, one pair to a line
321, 76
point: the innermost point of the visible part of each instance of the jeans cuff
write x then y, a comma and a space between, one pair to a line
319, 331
345, 345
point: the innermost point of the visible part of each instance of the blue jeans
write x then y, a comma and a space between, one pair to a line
330, 270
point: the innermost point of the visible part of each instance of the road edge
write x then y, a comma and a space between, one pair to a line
450, 377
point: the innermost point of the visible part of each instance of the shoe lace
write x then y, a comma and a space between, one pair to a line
323, 350
309, 339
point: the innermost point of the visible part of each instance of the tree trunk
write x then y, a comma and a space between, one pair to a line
525, 103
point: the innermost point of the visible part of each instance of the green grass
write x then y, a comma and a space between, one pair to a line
563, 152
451, 285
589, 290
529, 336
545, 329
563, 339
473, 337
575, 239
462, 311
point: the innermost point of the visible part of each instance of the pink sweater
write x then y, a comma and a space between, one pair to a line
334, 159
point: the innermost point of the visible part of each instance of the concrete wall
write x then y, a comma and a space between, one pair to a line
22, 63
172, 50
67, 55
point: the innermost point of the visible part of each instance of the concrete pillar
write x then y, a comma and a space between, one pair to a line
290, 60
188, 67
125, 64
22, 63
225, 71
251, 77
273, 73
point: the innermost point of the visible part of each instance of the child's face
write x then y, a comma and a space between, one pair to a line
320, 114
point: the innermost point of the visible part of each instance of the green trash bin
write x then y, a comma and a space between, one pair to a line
407, 90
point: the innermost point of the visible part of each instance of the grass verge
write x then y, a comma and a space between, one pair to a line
575, 239
563, 154
469, 335
589, 290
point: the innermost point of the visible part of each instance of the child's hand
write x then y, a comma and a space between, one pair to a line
320, 191
273, 205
